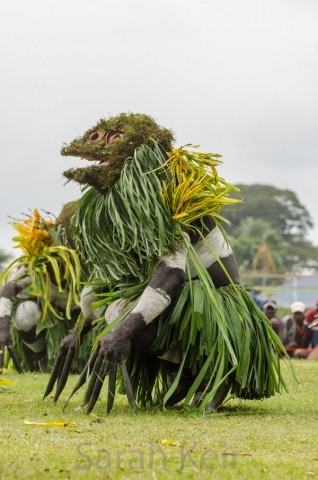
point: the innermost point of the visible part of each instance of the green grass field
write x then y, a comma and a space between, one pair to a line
271, 439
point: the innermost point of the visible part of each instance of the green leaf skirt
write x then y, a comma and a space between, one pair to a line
221, 337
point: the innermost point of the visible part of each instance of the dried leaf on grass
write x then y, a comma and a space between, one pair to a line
50, 424
6, 382
170, 443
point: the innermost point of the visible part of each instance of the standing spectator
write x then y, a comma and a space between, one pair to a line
293, 327
270, 310
310, 328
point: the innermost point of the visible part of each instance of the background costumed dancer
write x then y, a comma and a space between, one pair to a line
148, 229
39, 299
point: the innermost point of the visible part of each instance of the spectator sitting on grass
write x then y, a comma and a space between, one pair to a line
310, 328
292, 327
270, 310
309, 332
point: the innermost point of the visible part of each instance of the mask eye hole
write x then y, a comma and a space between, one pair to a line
114, 135
96, 135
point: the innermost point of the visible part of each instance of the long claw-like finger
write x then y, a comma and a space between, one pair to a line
128, 387
100, 377
111, 386
15, 359
92, 379
63, 376
54, 374
83, 376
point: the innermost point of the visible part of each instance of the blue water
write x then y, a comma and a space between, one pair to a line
303, 289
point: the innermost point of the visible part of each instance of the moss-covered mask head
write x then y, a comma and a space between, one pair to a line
110, 143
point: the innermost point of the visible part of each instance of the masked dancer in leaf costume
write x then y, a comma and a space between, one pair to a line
40, 292
149, 230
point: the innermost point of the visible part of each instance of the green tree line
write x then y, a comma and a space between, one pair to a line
269, 230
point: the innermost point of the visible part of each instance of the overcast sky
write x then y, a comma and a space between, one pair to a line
236, 77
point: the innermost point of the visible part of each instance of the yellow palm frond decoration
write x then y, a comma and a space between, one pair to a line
196, 189
33, 233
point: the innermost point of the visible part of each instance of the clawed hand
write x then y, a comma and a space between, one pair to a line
62, 365
110, 351
115, 347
